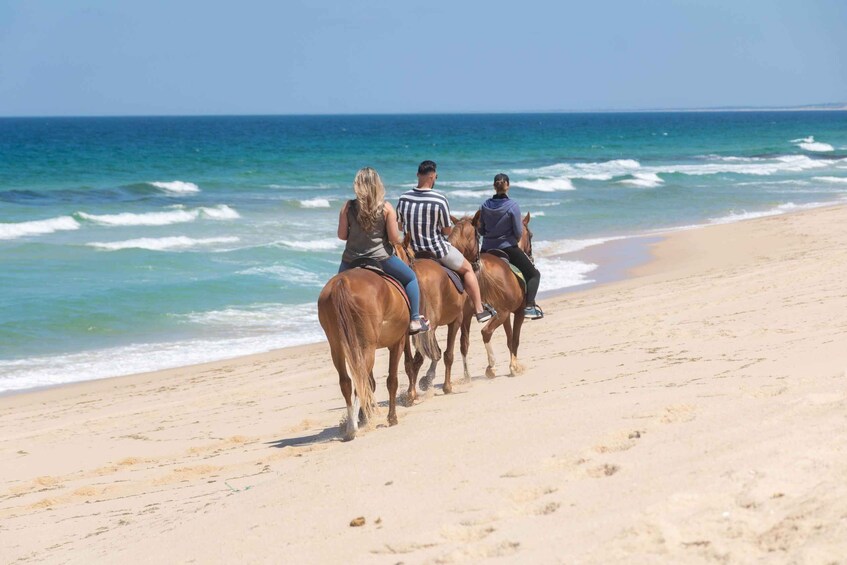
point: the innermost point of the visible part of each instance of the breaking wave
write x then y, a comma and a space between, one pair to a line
161, 243
38, 227
176, 186
809, 144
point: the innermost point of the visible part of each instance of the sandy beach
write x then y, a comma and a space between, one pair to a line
693, 413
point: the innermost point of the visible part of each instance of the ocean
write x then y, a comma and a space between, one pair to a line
135, 244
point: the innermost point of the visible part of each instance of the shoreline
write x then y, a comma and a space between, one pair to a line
691, 413
618, 259
636, 253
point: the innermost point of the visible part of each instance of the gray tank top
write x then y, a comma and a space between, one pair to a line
372, 244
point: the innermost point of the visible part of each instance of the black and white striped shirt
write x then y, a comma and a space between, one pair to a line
423, 214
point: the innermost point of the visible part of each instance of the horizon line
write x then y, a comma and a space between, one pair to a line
821, 107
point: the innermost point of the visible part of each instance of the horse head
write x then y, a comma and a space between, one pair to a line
464, 237
403, 250
525, 242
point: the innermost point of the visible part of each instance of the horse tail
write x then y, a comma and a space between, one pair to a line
352, 344
426, 343
491, 287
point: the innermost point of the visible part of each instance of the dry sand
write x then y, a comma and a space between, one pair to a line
694, 413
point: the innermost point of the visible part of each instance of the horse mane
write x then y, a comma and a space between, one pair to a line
350, 325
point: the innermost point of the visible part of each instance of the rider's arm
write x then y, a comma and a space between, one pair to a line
517, 224
480, 227
446, 227
391, 227
343, 228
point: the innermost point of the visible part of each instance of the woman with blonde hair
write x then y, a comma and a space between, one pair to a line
369, 226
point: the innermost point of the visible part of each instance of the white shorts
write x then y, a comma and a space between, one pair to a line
453, 260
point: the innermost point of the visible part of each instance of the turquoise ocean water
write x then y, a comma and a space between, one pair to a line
132, 244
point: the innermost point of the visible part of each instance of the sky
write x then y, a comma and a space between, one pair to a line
190, 57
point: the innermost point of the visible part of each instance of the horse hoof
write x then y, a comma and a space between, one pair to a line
489, 372
349, 436
392, 421
447, 389
425, 383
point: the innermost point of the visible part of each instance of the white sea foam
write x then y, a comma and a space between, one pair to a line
477, 194
775, 211
326, 244
732, 159
647, 175
643, 180
269, 327
465, 184
765, 182
315, 203
37, 227
764, 167
560, 273
176, 186
562, 246
604, 170
287, 273
834, 180
178, 216
147, 219
809, 144
161, 243
257, 317
545, 185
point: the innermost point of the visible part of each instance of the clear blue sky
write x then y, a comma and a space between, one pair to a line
110, 57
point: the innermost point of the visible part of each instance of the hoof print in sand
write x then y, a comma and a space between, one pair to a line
605, 470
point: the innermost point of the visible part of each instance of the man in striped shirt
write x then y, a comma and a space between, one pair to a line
425, 216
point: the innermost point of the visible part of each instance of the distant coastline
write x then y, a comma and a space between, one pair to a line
827, 107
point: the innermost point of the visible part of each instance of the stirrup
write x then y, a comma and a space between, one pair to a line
487, 313
533, 312
423, 326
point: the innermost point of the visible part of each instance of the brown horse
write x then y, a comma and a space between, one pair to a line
499, 288
442, 305
361, 312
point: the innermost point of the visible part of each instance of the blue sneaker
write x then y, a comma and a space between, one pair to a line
533, 312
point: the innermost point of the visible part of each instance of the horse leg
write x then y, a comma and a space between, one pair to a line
372, 381
435, 350
369, 358
487, 332
393, 365
515, 367
352, 424
452, 329
411, 373
465, 341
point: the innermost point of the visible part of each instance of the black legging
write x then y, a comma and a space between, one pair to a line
519, 259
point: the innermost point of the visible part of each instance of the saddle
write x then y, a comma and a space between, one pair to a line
373, 266
453, 275
500, 254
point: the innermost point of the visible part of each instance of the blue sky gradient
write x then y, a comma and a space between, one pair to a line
60, 57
